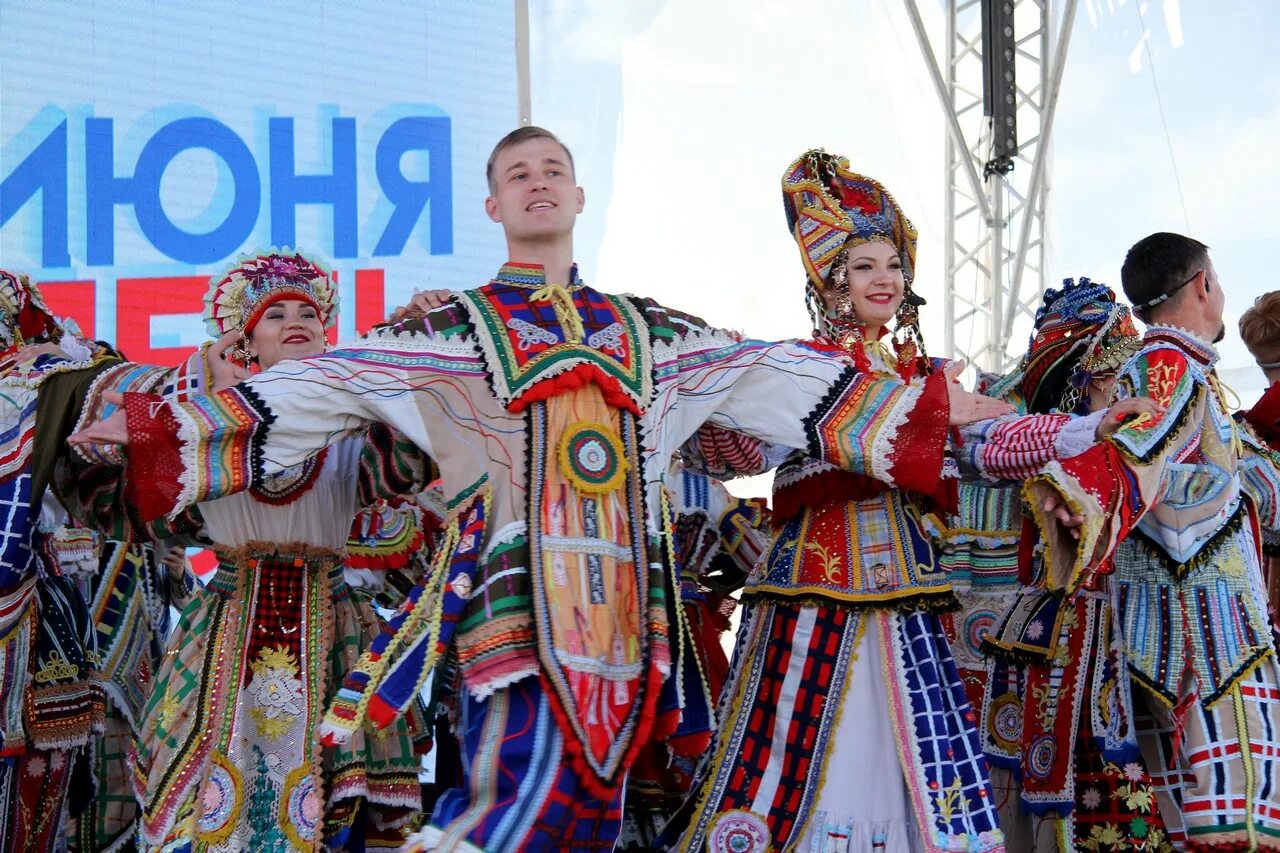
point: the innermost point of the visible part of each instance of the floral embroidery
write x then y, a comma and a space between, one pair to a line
277, 690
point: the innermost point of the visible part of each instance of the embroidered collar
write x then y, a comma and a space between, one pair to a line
531, 275
1189, 342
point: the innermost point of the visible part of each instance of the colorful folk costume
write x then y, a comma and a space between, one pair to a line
552, 410
50, 696
229, 759
130, 594
1172, 508
1264, 419
716, 542
844, 725
1052, 680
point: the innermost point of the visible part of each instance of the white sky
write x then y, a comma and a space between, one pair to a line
683, 115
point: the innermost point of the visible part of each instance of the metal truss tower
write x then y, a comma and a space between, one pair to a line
996, 218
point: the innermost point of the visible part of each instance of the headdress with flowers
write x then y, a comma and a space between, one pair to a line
239, 295
1081, 333
24, 316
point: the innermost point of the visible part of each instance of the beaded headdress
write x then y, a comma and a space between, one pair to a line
829, 208
238, 296
24, 317
1080, 333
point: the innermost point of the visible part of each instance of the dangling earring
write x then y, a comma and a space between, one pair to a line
907, 321
240, 352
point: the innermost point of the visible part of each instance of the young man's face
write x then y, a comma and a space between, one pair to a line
534, 195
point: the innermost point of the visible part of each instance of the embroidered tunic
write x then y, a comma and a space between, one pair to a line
843, 667
553, 412
1172, 509
229, 759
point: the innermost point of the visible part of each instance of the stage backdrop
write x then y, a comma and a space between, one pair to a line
143, 145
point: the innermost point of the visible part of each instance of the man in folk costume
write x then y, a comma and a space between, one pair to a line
553, 410
1171, 507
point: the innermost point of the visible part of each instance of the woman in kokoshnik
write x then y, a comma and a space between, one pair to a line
1053, 683
230, 759
845, 724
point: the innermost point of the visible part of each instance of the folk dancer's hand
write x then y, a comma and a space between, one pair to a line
420, 303
1128, 412
967, 407
111, 430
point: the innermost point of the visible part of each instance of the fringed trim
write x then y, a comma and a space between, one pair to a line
1204, 554
1259, 656
1236, 840
1013, 654
1062, 573
570, 378
407, 794
574, 750
383, 557
482, 689
819, 489
1157, 691
940, 600
257, 549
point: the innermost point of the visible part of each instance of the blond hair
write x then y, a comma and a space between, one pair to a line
515, 137
1260, 328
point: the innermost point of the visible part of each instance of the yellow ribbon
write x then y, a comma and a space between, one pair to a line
1221, 388
561, 299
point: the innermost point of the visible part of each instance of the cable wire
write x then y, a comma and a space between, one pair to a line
1155, 84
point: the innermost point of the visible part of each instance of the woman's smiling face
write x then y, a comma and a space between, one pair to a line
290, 328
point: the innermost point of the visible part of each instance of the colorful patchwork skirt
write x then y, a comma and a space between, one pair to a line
842, 729
228, 759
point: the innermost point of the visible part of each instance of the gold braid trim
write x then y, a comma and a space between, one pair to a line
561, 298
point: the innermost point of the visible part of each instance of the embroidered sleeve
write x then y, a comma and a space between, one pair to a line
1260, 480
790, 395
89, 479
885, 429
187, 452
1113, 484
724, 453
1018, 446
